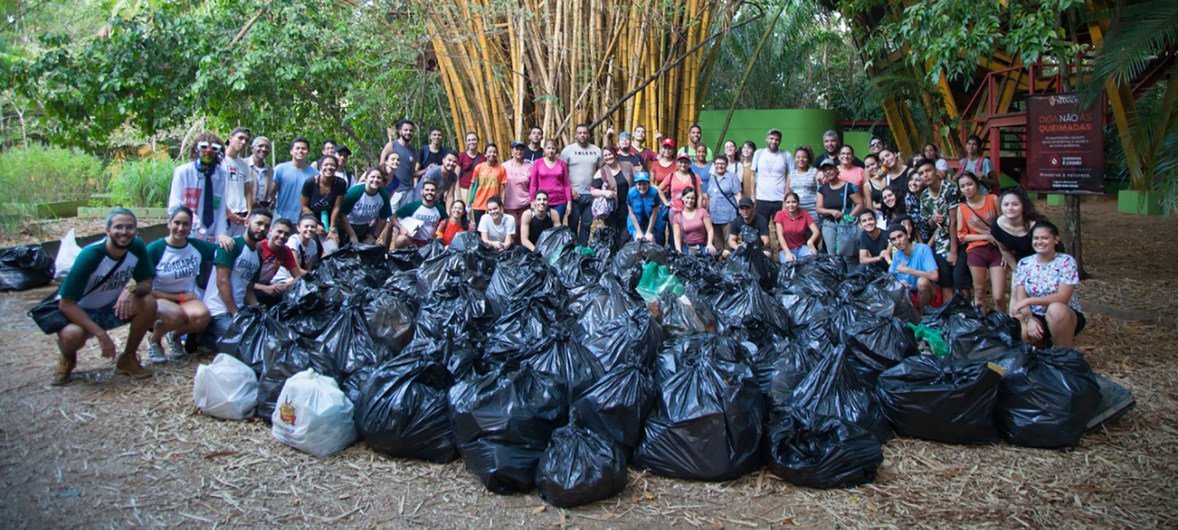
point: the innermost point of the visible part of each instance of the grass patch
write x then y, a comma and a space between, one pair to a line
141, 183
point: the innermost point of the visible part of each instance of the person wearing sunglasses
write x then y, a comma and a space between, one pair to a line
199, 185
914, 265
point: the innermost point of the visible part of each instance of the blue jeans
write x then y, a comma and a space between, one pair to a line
217, 327
798, 253
837, 237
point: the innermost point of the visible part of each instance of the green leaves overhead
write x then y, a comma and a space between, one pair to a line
297, 67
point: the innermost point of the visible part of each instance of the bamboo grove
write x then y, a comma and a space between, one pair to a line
509, 64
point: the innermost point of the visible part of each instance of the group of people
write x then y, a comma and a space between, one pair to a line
259, 228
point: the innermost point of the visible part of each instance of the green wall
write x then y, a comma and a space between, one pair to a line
798, 126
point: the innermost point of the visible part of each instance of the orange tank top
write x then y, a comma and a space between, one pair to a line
977, 220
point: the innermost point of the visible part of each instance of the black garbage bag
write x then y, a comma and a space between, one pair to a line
460, 355
25, 267
578, 266
617, 405
503, 421
565, 358
750, 259
403, 282
887, 287
355, 352
680, 315
741, 304
554, 242
390, 316
818, 451
707, 423
816, 273
943, 400
600, 302
521, 274
521, 329
682, 351
834, 389
580, 466
253, 335
806, 307
1005, 325
1048, 401
468, 241
700, 272
308, 306
878, 343
456, 309
634, 337
279, 364
781, 366
405, 259
434, 248
970, 338
404, 410
957, 305
628, 261
354, 267
473, 267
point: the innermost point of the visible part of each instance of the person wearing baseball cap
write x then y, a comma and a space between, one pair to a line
645, 203
747, 215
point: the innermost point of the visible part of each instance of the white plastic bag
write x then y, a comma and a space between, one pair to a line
67, 254
226, 389
313, 415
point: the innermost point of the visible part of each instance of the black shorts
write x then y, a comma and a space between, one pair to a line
954, 276
1081, 321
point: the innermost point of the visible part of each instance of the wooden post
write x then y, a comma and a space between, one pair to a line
1072, 234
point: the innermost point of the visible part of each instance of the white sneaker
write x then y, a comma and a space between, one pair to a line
175, 348
155, 353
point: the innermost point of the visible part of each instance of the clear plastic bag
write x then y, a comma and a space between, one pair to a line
313, 415
226, 389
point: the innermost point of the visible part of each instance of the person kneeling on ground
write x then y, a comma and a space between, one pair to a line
232, 284
536, 220
96, 297
366, 209
497, 230
178, 260
417, 222
1045, 298
456, 224
914, 265
276, 256
873, 247
747, 217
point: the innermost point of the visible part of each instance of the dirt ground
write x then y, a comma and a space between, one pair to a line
111, 452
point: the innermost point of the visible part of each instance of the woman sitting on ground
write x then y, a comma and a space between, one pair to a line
797, 232
975, 216
1045, 299
692, 228
456, 224
178, 261
536, 220
496, 228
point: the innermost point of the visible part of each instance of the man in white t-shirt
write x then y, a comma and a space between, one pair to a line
239, 182
262, 172
771, 165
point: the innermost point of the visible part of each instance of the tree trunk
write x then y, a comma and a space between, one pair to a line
1072, 233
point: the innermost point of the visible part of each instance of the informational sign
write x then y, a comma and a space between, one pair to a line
1065, 145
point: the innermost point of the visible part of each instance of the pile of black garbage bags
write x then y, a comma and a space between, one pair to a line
546, 370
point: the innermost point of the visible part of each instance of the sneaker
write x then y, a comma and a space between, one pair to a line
155, 353
175, 348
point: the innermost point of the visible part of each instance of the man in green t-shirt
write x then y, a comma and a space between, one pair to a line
96, 296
